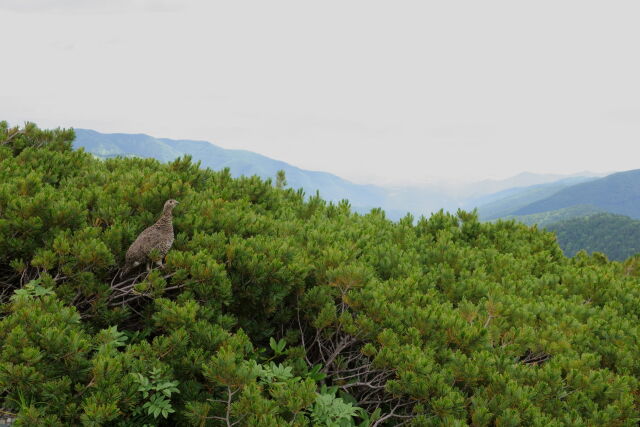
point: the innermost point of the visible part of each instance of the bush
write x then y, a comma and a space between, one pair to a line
275, 309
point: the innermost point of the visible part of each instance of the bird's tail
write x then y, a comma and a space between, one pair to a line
128, 266
125, 270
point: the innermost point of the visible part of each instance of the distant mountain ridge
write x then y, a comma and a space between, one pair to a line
240, 162
618, 193
596, 215
508, 202
491, 189
396, 201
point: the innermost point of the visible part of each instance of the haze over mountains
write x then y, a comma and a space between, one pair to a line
586, 210
595, 215
396, 201
617, 193
240, 162
508, 202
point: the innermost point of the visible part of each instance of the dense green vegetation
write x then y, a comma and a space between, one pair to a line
586, 228
277, 309
544, 219
617, 193
616, 236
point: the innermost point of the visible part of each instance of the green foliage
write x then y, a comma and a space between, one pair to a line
267, 393
616, 236
157, 391
275, 309
544, 219
328, 410
31, 289
281, 179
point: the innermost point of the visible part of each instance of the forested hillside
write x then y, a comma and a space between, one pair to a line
617, 236
505, 203
617, 193
544, 219
569, 209
276, 309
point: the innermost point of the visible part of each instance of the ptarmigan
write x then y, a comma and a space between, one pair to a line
159, 236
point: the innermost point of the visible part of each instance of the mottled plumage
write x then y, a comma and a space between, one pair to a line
159, 236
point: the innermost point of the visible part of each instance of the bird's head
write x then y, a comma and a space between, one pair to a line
169, 205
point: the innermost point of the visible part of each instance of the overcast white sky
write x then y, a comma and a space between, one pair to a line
373, 91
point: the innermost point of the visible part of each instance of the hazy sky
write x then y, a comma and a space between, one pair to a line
391, 91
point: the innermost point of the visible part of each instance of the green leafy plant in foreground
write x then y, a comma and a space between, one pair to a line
157, 392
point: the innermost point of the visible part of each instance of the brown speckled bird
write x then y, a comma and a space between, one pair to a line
159, 236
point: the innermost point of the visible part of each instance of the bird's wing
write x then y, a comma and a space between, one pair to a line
152, 238
144, 243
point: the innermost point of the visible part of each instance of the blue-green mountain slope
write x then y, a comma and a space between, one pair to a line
507, 202
618, 193
543, 219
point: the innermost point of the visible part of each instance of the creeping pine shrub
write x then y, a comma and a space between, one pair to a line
103, 372
274, 308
